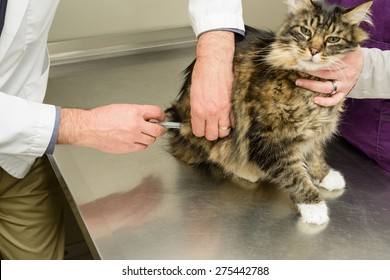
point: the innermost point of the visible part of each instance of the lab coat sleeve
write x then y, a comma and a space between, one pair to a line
207, 15
26, 126
374, 81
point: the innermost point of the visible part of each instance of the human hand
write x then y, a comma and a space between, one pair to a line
211, 88
119, 128
344, 74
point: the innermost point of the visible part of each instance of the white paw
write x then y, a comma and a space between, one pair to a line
314, 213
333, 181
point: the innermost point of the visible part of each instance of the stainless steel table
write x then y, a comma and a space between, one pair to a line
147, 205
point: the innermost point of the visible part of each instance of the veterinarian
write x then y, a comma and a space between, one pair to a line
365, 77
31, 223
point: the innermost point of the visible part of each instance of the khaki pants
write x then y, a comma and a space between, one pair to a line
31, 215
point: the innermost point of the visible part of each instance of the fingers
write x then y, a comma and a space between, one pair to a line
138, 147
329, 101
122, 128
211, 128
336, 90
198, 125
326, 87
146, 135
153, 112
152, 129
143, 140
316, 86
339, 78
210, 113
224, 125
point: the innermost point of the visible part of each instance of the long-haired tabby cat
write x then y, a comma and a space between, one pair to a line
279, 133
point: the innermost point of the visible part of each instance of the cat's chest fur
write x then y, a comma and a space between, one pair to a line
273, 106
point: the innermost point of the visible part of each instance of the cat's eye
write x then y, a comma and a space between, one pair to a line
305, 31
333, 39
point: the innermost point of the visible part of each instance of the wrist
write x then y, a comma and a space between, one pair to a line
73, 123
216, 45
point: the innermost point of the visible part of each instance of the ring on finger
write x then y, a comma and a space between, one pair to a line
220, 127
334, 85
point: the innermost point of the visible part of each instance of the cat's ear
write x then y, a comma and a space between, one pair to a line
359, 14
296, 5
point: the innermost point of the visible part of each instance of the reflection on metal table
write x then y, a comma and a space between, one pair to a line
147, 205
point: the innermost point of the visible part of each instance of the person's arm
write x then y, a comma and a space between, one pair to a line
117, 128
345, 75
26, 126
374, 81
365, 74
214, 22
211, 87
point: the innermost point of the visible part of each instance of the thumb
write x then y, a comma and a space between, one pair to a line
153, 112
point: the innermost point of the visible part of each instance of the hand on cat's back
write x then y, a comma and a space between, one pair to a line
211, 88
344, 74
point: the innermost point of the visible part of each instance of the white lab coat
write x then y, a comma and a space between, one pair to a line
206, 15
26, 125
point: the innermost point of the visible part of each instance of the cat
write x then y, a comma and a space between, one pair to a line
280, 133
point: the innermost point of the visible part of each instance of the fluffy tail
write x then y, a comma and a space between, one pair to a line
173, 113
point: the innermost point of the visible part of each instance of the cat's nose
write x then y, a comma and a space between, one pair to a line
314, 51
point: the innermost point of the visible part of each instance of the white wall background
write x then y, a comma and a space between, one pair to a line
87, 18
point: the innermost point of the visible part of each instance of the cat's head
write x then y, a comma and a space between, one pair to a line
316, 34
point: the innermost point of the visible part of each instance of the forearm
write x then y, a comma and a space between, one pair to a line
215, 23
216, 45
374, 81
73, 126
116, 128
212, 79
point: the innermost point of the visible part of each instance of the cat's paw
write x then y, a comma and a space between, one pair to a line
310, 229
314, 213
333, 181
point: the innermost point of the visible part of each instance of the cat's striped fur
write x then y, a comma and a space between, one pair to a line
279, 133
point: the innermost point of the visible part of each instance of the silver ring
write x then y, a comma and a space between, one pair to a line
334, 90
223, 127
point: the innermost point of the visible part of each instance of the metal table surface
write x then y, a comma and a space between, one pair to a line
147, 205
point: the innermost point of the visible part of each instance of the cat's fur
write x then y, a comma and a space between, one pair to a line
279, 133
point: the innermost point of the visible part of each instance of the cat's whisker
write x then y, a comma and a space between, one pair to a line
340, 67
